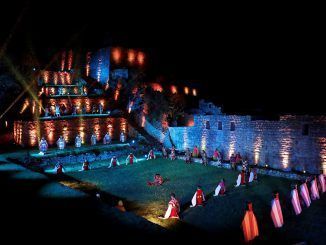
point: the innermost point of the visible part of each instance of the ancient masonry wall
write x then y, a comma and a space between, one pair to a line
291, 143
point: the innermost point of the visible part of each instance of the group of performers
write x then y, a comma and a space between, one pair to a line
61, 143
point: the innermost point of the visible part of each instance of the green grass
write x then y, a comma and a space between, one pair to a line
221, 215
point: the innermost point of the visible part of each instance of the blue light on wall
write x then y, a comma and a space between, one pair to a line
100, 65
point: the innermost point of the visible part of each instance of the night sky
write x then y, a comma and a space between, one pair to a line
257, 63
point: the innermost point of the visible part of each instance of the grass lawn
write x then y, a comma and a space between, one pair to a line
221, 215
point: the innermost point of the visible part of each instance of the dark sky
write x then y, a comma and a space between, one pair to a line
249, 61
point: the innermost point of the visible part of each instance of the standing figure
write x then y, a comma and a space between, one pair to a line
158, 180
100, 108
241, 180
195, 152
251, 175
249, 225
114, 162
188, 155
322, 183
57, 111
151, 155
198, 199
220, 189
74, 110
122, 137
295, 200
216, 155
172, 155
304, 192
255, 173
94, 109
78, 141
238, 158
130, 159
204, 157
93, 139
43, 146
59, 169
173, 209
164, 152
61, 143
233, 162
314, 189
46, 112
106, 139
85, 166
276, 212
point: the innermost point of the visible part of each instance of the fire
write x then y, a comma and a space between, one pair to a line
186, 90
157, 87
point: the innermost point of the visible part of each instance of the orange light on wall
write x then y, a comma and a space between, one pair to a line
55, 78
46, 76
157, 87
131, 56
25, 105
143, 121
63, 60
33, 107
140, 58
186, 89
88, 63
70, 60
174, 89
194, 92
116, 94
116, 54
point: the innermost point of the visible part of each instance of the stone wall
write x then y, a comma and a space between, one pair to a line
28, 133
281, 143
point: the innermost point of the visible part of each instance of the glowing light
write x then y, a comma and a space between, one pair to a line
32, 136
33, 107
88, 63
194, 92
25, 105
46, 76
116, 54
131, 103
62, 77
99, 69
174, 89
55, 78
6, 124
70, 60
143, 121
322, 154
140, 58
116, 94
63, 60
186, 89
257, 148
157, 87
107, 86
304, 171
232, 145
131, 56
285, 149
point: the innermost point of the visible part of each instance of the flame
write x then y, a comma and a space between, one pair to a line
174, 89
131, 56
141, 58
186, 90
116, 54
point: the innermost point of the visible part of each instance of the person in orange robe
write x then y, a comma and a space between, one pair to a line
249, 224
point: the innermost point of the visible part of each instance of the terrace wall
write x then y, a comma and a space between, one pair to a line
28, 133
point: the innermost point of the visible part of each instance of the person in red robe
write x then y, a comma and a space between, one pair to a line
276, 212
120, 206
295, 200
220, 189
241, 180
322, 183
130, 159
216, 155
151, 155
114, 162
249, 224
59, 169
198, 199
314, 189
85, 166
195, 152
173, 209
158, 180
304, 192
238, 158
